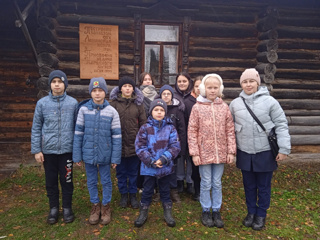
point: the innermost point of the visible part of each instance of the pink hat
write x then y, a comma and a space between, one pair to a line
250, 73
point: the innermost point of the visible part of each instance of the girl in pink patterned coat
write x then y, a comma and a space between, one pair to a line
211, 140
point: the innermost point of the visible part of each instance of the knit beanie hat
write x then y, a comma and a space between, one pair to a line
126, 80
250, 73
58, 74
166, 87
158, 102
98, 82
202, 87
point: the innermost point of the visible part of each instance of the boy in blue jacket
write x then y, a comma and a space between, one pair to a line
51, 142
97, 142
157, 145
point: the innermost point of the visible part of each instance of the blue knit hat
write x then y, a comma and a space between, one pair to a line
58, 74
98, 82
166, 87
157, 102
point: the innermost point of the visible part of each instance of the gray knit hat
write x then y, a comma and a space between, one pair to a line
158, 102
98, 82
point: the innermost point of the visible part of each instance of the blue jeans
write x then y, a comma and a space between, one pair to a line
148, 189
92, 182
257, 187
211, 179
128, 170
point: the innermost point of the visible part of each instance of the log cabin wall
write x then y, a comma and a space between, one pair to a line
18, 94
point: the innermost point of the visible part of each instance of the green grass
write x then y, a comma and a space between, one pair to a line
293, 214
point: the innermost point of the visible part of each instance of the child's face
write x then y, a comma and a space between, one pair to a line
166, 96
158, 113
147, 80
57, 87
249, 86
127, 90
212, 89
183, 83
196, 87
98, 95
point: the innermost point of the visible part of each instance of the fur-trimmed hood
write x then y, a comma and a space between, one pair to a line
137, 95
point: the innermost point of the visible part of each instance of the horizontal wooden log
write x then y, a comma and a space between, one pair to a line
296, 84
267, 23
298, 32
303, 44
304, 120
47, 59
228, 43
298, 74
14, 107
18, 99
271, 34
298, 21
298, 64
220, 62
267, 57
222, 53
267, 45
296, 94
14, 116
297, 54
304, 104
305, 140
266, 68
302, 112
304, 130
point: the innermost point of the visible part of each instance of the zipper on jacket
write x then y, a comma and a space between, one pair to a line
59, 125
215, 132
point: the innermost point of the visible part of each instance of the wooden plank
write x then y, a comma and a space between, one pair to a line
304, 120
305, 139
304, 130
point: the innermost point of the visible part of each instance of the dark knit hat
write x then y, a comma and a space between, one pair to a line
158, 102
166, 87
126, 80
98, 82
58, 74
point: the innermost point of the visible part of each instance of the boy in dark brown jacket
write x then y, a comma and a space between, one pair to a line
128, 101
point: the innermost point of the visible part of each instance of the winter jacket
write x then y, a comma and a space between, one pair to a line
211, 131
186, 94
132, 117
250, 136
53, 125
97, 137
157, 140
189, 102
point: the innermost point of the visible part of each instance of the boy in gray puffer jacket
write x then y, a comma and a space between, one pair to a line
51, 142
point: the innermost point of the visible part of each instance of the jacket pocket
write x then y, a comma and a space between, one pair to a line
237, 127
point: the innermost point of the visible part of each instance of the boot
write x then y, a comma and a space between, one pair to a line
68, 215
143, 216
217, 221
206, 219
105, 214
168, 215
196, 196
180, 185
190, 188
95, 214
53, 215
175, 195
133, 201
124, 200
258, 223
248, 220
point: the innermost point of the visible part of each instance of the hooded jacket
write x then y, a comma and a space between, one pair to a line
97, 137
211, 131
157, 140
132, 116
53, 124
250, 136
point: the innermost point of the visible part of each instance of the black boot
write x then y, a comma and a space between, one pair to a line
206, 219
143, 216
167, 207
258, 223
124, 200
217, 221
190, 188
180, 186
68, 215
248, 220
133, 200
53, 215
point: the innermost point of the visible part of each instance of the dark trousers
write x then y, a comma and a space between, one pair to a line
127, 174
173, 176
195, 177
257, 187
140, 178
59, 167
148, 189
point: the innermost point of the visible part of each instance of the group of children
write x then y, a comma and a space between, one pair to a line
120, 135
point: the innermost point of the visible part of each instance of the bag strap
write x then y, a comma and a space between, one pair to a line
254, 116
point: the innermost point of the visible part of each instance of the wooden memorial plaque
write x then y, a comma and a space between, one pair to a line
99, 51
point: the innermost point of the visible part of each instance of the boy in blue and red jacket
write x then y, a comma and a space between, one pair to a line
157, 145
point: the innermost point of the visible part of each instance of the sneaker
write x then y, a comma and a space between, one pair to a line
206, 219
95, 214
217, 221
105, 214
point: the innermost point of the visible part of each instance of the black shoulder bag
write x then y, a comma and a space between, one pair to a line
272, 136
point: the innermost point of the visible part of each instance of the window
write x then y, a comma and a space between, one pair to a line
162, 52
